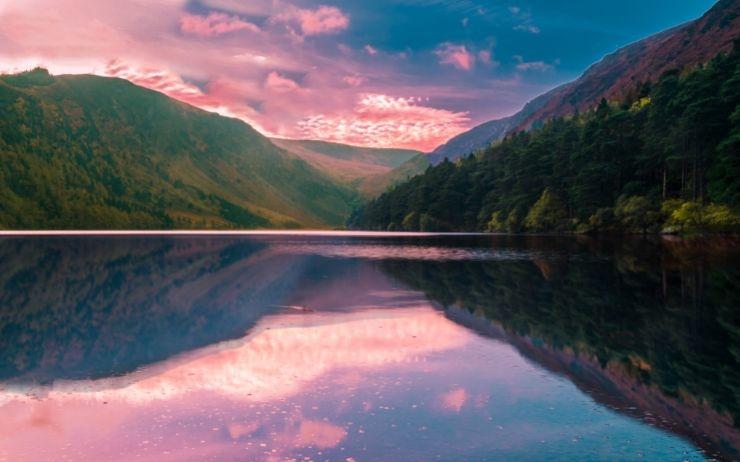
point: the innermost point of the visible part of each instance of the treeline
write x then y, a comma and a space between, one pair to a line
667, 158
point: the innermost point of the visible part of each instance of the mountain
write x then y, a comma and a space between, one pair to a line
94, 152
614, 77
486, 133
369, 170
376, 185
664, 159
620, 73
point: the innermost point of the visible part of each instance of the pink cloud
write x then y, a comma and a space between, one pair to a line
219, 96
214, 24
385, 121
455, 55
354, 80
280, 84
371, 50
322, 20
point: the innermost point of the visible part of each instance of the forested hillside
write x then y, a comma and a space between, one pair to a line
667, 157
613, 77
80, 152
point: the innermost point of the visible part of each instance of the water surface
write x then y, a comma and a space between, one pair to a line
310, 347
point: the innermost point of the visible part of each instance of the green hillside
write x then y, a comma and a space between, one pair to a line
81, 152
664, 158
369, 170
374, 186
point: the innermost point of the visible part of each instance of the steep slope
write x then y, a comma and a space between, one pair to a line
664, 160
93, 152
614, 77
619, 73
362, 168
374, 186
486, 133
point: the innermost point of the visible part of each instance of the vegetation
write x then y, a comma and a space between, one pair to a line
79, 152
660, 313
665, 158
369, 171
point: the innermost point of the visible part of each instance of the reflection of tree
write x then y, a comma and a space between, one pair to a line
90, 307
665, 314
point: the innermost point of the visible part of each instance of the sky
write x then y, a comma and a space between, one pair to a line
384, 73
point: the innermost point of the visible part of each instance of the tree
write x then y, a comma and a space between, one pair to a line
547, 214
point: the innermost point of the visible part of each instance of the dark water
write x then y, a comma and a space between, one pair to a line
341, 348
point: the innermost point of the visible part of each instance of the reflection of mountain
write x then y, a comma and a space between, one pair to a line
276, 360
653, 326
91, 307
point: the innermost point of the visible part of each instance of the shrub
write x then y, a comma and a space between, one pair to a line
547, 214
637, 214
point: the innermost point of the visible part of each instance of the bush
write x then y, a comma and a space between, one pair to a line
411, 222
693, 217
637, 214
496, 224
603, 220
547, 214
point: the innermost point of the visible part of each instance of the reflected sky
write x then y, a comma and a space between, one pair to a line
375, 367
383, 384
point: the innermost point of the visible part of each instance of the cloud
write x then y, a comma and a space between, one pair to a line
534, 66
209, 57
214, 24
354, 80
528, 28
322, 20
486, 57
515, 9
384, 121
539, 66
217, 97
455, 55
280, 84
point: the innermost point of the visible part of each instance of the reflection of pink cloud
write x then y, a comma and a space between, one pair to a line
454, 400
214, 24
282, 355
383, 121
319, 434
455, 55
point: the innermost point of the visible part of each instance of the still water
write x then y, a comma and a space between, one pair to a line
368, 348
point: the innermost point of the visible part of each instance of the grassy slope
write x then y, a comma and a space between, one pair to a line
93, 152
369, 170
377, 185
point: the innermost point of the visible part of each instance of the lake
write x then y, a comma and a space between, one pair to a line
368, 347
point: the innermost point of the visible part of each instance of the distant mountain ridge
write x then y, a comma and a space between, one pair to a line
612, 78
486, 133
368, 170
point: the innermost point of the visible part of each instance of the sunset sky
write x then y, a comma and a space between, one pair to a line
404, 73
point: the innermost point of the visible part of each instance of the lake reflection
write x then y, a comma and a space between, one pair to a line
354, 349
